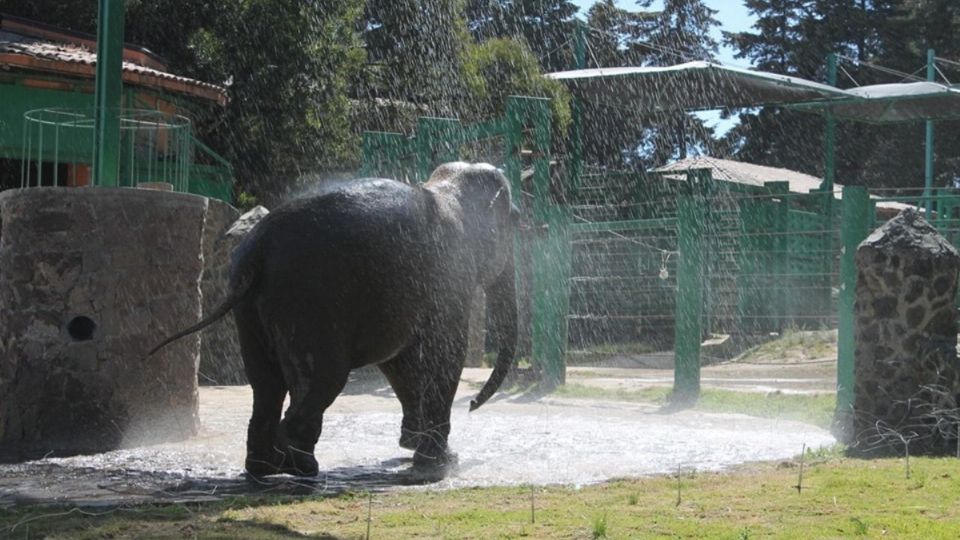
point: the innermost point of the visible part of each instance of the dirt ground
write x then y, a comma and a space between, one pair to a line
514, 439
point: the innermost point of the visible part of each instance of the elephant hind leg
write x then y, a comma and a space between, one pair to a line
317, 373
269, 391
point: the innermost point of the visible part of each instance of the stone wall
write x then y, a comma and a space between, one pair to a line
220, 360
907, 381
90, 280
219, 347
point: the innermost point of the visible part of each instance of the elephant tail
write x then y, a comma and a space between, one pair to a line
236, 294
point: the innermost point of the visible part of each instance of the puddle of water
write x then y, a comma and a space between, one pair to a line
507, 442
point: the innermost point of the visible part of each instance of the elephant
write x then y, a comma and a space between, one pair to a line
371, 272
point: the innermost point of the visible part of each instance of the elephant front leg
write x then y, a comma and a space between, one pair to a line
402, 372
441, 365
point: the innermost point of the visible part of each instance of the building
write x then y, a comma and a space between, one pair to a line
43, 67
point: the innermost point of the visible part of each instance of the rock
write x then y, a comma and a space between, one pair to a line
220, 360
114, 271
906, 375
247, 221
219, 347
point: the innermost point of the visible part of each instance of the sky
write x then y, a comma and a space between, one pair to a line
732, 14
733, 17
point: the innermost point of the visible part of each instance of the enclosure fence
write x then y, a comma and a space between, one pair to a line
642, 261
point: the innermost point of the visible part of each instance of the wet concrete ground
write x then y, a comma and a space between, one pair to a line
510, 440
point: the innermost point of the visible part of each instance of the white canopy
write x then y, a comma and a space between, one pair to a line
698, 85
903, 102
691, 86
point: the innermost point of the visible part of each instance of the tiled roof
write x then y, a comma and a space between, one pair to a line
31, 53
755, 175
748, 173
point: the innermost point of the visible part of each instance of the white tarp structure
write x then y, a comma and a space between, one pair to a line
888, 103
699, 85
691, 86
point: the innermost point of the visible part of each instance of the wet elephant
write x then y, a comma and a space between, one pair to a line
370, 272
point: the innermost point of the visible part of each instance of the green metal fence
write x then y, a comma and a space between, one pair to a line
667, 260
518, 141
664, 259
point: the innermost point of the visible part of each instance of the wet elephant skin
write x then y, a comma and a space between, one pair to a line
371, 272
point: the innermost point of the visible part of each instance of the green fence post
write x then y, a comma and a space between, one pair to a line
748, 304
576, 109
368, 154
513, 141
107, 95
928, 154
437, 142
550, 250
856, 204
689, 298
780, 228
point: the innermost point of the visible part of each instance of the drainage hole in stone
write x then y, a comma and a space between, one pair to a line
81, 328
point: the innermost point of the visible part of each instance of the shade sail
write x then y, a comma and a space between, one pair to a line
890, 103
691, 86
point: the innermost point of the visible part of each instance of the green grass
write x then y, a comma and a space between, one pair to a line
842, 498
816, 409
797, 345
598, 353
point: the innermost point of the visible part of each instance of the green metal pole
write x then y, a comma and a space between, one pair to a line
856, 217
830, 137
781, 226
689, 298
549, 250
109, 88
829, 179
370, 154
576, 125
928, 154
436, 143
512, 143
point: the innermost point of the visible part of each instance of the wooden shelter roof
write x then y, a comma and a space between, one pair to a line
33, 47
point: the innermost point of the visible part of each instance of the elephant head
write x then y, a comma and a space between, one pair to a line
489, 220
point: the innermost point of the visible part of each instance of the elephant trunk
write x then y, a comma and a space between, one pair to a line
502, 305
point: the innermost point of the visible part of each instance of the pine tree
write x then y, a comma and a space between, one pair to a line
794, 37
419, 48
546, 26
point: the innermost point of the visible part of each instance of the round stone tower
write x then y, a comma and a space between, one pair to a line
90, 280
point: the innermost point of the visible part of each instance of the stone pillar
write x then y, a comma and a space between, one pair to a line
219, 347
906, 373
90, 280
220, 360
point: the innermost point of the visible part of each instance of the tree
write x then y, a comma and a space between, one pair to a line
501, 67
795, 36
546, 26
684, 26
285, 63
417, 50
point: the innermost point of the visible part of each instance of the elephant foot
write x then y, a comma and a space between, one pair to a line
293, 462
409, 439
300, 462
434, 458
